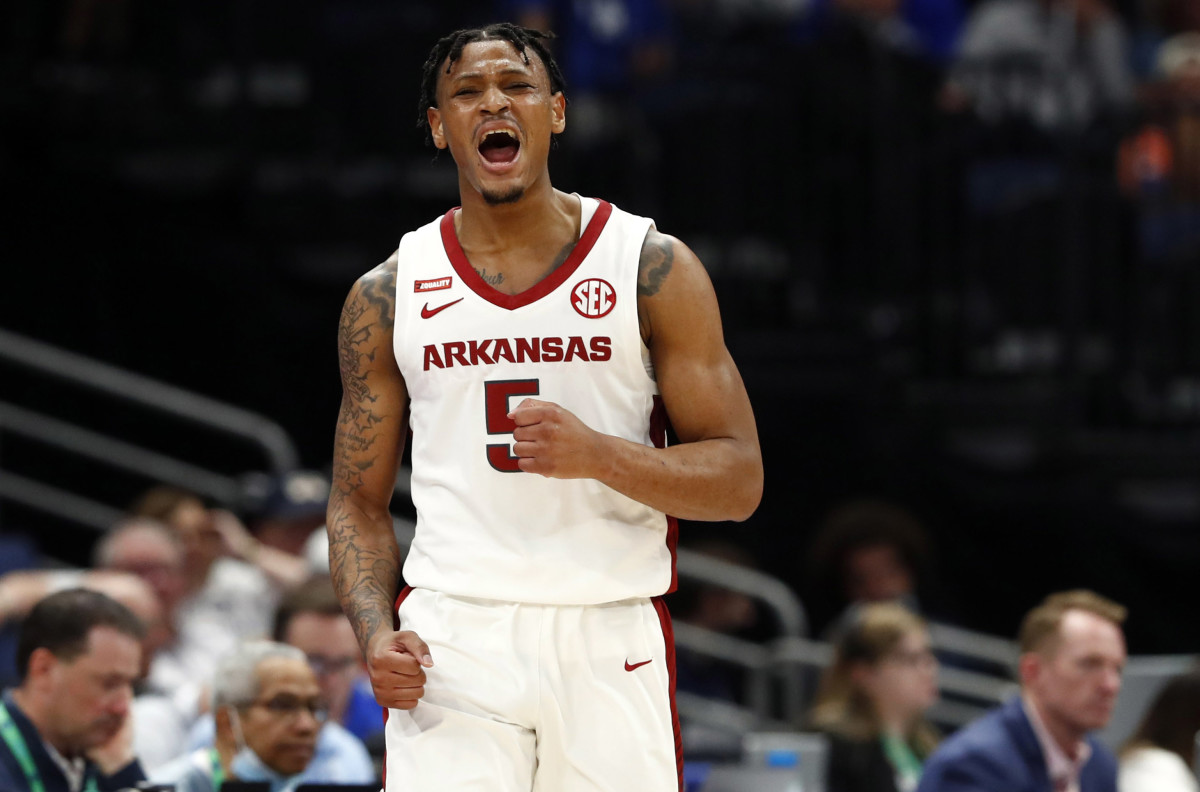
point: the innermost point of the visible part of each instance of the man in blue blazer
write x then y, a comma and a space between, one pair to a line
1072, 656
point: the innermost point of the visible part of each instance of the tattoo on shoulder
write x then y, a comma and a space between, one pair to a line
658, 255
379, 290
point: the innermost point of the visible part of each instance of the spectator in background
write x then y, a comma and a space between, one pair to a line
136, 563
268, 711
66, 726
1061, 65
310, 619
139, 562
221, 556
869, 551
1072, 656
872, 702
283, 511
173, 693
231, 581
1159, 755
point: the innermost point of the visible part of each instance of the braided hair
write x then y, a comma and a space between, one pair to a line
449, 49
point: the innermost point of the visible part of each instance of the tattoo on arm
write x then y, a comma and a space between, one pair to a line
658, 256
365, 575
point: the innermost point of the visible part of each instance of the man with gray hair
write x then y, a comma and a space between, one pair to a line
268, 712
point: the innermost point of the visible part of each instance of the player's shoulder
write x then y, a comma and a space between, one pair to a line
380, 279
373, 296
661, 255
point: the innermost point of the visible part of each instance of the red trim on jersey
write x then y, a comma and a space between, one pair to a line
664, 618
404, 592
471, 278
658, 436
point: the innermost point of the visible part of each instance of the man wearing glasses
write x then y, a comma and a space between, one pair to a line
310, 618
268, 712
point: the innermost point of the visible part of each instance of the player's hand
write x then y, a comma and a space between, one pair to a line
551, 441
396, 663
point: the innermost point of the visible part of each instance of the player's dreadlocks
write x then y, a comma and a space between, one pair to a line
450, 48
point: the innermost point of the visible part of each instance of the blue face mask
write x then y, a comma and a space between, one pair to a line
246, 766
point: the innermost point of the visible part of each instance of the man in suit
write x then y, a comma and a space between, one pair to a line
1072, 656
66, 726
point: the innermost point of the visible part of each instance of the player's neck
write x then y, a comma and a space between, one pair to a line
541, 212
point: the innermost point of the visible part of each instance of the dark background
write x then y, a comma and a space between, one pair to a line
1016, 374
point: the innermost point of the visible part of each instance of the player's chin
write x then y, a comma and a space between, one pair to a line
501, 195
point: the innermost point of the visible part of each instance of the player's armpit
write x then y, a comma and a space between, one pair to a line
371, 426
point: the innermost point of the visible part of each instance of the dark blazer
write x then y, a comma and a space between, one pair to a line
1000, 753
12, 777
858, 766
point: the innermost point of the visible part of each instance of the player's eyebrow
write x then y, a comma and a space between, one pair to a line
522, 71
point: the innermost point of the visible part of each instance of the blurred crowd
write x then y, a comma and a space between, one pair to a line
216, 597
224, 652
796, 124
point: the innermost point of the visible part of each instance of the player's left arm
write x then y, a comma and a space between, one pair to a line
715, 472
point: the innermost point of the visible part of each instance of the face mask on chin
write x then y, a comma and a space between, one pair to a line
247, 766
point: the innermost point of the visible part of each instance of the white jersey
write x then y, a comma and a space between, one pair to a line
469, 354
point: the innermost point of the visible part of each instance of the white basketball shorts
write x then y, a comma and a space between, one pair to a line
538, 698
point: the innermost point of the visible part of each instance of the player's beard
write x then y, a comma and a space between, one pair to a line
513, 195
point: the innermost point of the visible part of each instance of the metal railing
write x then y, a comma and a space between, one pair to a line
215, 415
118, 454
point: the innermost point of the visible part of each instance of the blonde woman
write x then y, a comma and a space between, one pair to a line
872, 701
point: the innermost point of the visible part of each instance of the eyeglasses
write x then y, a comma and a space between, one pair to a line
323, 664
290, 707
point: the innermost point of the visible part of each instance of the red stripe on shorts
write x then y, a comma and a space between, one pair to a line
664, 618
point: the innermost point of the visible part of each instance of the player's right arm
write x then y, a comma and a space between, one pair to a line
364, 559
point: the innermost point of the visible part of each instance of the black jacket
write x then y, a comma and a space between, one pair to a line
12, 777
858, 766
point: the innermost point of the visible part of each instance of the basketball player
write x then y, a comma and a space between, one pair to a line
535, 342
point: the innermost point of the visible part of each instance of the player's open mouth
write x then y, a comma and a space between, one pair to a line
499, 147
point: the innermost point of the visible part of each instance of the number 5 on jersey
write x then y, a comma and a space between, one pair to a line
496, 396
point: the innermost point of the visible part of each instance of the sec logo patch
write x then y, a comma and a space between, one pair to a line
593, 298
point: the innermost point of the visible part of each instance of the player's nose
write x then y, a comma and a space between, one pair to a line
494, 100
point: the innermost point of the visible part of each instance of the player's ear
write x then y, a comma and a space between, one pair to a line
434, 117
559, 110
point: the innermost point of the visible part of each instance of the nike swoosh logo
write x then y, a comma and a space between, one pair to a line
427, 313
629, 667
